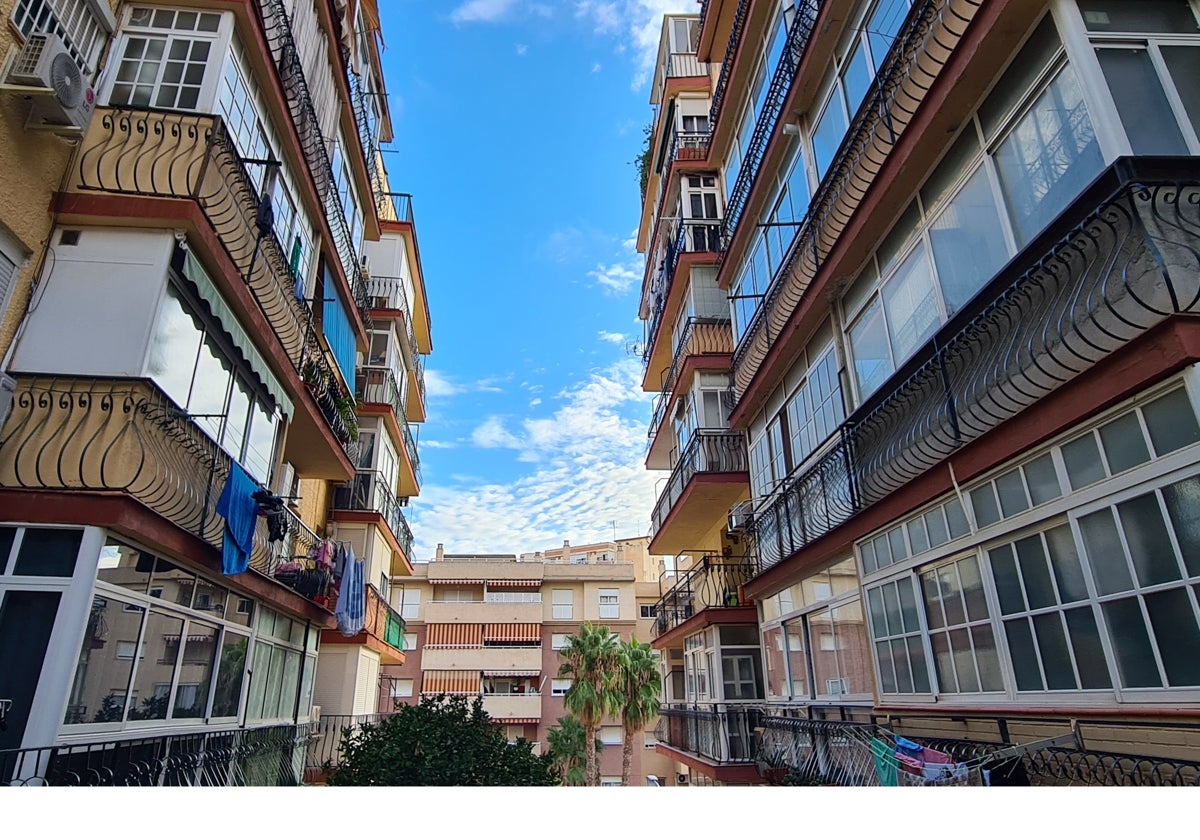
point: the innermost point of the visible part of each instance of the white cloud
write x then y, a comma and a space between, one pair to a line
616, 279
437, 385
535, 402
586, 471
481, 11
596, 68
522, 49
438, 444
614, 338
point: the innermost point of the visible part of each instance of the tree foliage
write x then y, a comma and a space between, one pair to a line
442, 741
642, 161
568, 750
639, 686
591, 664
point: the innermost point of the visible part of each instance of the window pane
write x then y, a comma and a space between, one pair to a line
174, 348
230, 672
1042, 480
964, 660
872, 359
1127, 631
983, 503
1038, 589
828, 135
156, 668
1124, 443
911, 304
1145, 112
237, 418
1143, 16
273, 705
1056, 661
1011, 490
887, 671
1174, 621
210, 389
933, 600
957, 519
951, 595
878, 620
857, 78
987, 658
102, 671
1184, 66
1024, 656
258, 679
199, 656
1008, 585
1064, 560
1171, 421
1183, 506
916, 658
1149, 544
853, 648
47, 552
891, 605
943, 662
1089, 652
1082, 459
935, 525
885, 23
1049, 156
972, 585
968, 242
904, 677
261, 444
908, 607
1105, 555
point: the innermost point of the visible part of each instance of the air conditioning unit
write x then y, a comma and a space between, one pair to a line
285, 483
62, 101
740, 518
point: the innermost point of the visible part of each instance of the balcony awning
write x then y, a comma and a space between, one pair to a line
512, 632
454, 635
451, 682
504, 719
452, 581
515, 584
492, 672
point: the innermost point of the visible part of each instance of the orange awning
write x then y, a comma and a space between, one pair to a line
451, 682
454, 635
512, 632
515, 584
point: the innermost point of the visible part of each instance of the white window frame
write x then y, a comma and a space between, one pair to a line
397, 688
83, 25
562, 607
610, 603
558, 641
560, 687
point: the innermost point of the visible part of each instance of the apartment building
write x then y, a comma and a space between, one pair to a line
957, 245
198, 250
493, 625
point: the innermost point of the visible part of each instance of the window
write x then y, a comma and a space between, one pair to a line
647, 610
739, 674
559, 688
164, 59
649, 741
71, 20
611, 736
610, 781
402, 688
816, 408
558, 641
610, 603
960, 630
409, 641
896, 630
244, 606
125, 649
562, 604
410, 604
194, 362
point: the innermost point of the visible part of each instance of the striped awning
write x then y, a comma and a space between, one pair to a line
512, 632
454, 635
511, 720
451, 682
510, 673
452, 581
515, 584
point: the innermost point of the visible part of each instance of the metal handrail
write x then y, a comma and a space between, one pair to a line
721, 732
731, 49
710, 451
715, 581
700, 336
369, 492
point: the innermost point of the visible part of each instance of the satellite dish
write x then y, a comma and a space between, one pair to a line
66, 80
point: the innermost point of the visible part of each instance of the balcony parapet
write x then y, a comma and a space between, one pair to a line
714, 582
710, 451
700, 337
719, 733
1117, 262
923, 46
684, 236
370, 492
125, 435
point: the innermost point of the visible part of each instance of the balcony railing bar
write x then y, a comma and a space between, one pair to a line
731, 50
710, 451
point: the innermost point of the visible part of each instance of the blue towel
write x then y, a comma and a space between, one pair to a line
240, 510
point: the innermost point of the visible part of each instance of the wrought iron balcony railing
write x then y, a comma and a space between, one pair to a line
700, 336
1120, 260
171, 154
369, 491
328, 734
267, 756
126, 435
714, 581
731, 50
687, 146
722, 733
710, 451
378, 385
683, 236
397, 208
782, 78
366, 136
382, 621
923, 45
388, 293
278, 29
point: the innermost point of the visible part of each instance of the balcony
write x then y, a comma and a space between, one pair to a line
482, 659
383, 630
704, 344
1117, 262
369, 493
267, 756
513, 707
176, 155
712, 475
676, 66
690, 150
481, 612
327, 736
731, 50
714, 583
921, 49
126, 436
717, 733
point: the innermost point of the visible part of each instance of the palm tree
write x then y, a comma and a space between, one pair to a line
568, 750
591, 664
639, 688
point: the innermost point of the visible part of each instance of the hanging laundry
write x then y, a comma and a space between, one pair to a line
240, 510
351, 603
885, 764
271, 506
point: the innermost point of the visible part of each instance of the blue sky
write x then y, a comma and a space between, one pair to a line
515, 126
